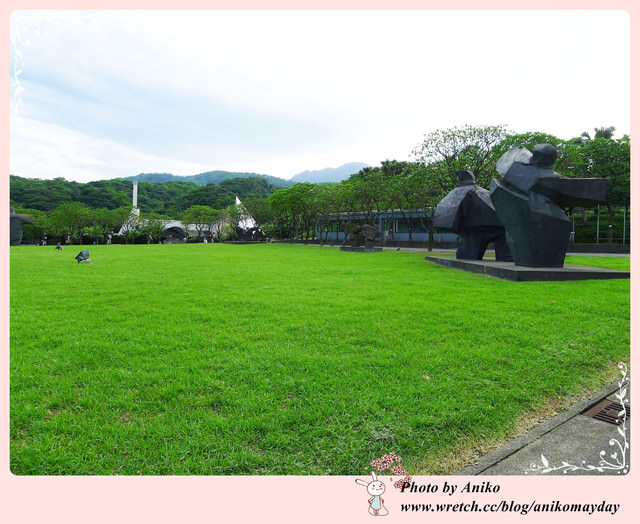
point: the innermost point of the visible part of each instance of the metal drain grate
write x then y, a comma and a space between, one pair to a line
608, 411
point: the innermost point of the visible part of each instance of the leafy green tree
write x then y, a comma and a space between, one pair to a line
70, 218
296, 210
202, 217
440, 155
348, 203
304, 208
366, 193
428, 185
103, 221
225, 227
99, 221
279, 201
610, 159
466, 148
402, 187
152, 227
599, 132
328, 196
260, 210
604, 132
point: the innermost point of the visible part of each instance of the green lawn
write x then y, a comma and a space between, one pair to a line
286, 359
619, 263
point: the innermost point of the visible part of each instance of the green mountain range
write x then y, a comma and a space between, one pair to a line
162, 193
330, 174
202, 179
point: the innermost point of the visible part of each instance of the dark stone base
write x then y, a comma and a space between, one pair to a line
361, 249
509, 271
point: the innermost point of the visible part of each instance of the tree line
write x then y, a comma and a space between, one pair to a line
309, 211
413, 189
88, 212
172, 198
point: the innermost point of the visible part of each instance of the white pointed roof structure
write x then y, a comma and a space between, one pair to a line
246, 220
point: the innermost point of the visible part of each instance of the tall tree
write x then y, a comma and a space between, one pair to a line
600, 132
202, 217
328, 209
429, 184
152, 226
466, 148
70, 218
400, 194
610, 159
259, 209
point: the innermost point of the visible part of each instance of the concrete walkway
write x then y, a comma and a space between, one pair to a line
571, 443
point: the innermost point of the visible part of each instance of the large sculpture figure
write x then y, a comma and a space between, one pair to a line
16, 220
359, 234
529, 201
363, 233
467, 210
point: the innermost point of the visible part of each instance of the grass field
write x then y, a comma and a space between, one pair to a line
287, 359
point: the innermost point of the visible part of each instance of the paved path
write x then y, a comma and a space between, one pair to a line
571, 443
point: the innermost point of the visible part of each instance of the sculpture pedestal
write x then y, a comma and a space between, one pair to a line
509, 271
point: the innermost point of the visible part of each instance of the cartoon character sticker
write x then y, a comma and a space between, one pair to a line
375, 488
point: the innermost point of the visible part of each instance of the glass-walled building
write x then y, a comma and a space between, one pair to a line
395, 227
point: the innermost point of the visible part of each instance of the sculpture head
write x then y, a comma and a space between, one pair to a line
466, 178
544, 155
515, 155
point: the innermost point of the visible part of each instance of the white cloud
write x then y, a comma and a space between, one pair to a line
279, 92
42, 150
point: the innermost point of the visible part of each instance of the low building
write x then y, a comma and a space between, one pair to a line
395, 228
175, 231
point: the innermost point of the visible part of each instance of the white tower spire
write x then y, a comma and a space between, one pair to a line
135, 198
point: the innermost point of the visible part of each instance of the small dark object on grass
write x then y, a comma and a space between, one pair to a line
83, 256
59, 247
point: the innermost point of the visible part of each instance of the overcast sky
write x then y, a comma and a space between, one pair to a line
103, 94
